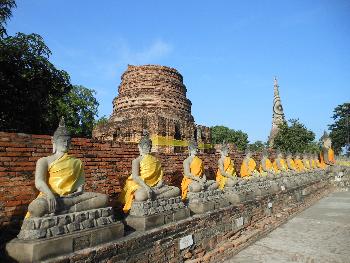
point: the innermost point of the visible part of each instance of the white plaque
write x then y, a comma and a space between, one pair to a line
269, 205
185, 242
239, 222
283, 187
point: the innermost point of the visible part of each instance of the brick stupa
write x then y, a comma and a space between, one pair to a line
153, 98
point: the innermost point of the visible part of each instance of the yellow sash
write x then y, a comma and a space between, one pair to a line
299, 165
151, 173
196, 169
247, 170
268, 166
229, 168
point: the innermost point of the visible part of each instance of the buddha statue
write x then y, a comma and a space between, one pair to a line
327, 153
291, 163
266, 166
145, 182
248, 167
306, 161
60, 180
226, 175
194, 179
280, 164
299, 164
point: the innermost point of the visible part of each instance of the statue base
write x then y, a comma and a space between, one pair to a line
150, 214
206, 201
52, 236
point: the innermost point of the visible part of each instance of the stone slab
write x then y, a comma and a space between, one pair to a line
151, 221
201, 207
42, 249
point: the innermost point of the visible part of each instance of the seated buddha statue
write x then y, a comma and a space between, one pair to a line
299, 163
306, 161
145, 182
194, 179
266, 166
226, 175
292, 168
248, 167
327, 153
280, 164
60, 180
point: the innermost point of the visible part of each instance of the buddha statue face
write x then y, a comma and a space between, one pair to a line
192, 149
145, 145
327, 143
224, 152
61, 144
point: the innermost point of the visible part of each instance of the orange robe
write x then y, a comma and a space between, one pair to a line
292, 164
247, 170
150, 172
331, 156
283, 164
321, 163
268, 166
299, 165
229, 168
196, 169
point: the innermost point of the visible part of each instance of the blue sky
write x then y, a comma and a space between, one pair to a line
227, 51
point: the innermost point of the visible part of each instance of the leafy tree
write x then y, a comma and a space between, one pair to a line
257, 146
294, 137
221, 133
340, 129
79, 107
6, 7
30, 85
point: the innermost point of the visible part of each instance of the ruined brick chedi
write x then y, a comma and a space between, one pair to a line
153, 98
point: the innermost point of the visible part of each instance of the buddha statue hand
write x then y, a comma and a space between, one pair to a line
51, 201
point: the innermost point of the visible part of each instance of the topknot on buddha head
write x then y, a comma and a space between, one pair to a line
61, 130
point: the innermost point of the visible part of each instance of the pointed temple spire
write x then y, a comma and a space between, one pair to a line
278, 115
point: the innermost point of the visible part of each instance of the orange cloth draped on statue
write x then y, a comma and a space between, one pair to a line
64, 176
150, 172
282, 163
322, 164
268, 166
247, 170
196, 169
307, 165
228, 168
299, 165
331, 158
313, 164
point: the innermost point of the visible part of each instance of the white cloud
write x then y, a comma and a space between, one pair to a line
157, 50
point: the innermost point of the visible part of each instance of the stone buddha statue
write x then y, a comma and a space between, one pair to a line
248, 167
145, 182
306, 161
280, 164
299, 163
60, 180
226, 175
291, 163
266, 166
327, 153
194, 179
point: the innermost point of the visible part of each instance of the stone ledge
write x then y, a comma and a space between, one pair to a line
43, 249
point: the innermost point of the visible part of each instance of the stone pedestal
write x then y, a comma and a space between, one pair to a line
48, 237
150, 214
206, 201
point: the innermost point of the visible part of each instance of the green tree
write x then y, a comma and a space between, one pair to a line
6, 7
79, 107
294, 137
340, 129
257, 146
221, 133
30, 85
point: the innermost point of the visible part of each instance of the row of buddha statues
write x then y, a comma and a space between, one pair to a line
60, 180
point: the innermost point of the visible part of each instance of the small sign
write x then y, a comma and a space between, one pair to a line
269, 205
185, 242
283, 187
239, 222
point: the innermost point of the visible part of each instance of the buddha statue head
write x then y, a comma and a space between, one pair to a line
297, 156
192, 147
326, 140
61, 139
145, 144
289, 155
224, 149
248, 152
264, 153
279, 154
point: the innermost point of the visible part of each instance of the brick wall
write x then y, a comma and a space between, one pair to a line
107, 165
